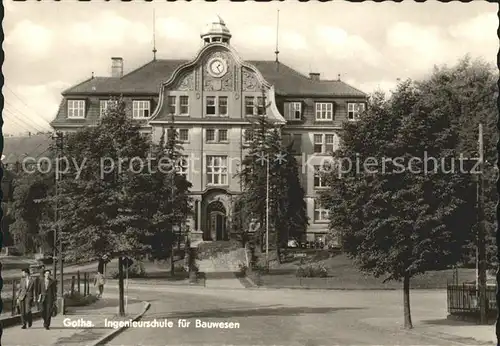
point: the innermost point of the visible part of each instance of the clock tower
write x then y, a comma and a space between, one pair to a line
216, 32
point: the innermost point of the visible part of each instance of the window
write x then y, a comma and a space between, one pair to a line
354, 110
184, 135
182, 165
321, 214
217, 135
260, 106
324, 143
324, 111
140, 109
217, 170
222, 135
210, 135
249, 106
210, 105
319, 176
223, 106
104, 105
76, 108
172, 104
295, 111
184, 103
247, 136
217, 106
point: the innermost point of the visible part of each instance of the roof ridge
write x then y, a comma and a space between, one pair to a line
150, 63
350, 86
76, 85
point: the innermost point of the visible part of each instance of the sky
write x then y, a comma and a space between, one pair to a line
50, 46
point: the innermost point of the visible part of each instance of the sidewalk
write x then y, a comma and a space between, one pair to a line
61, 335
456, 332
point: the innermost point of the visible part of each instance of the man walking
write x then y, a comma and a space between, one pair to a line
99, 282
25, 298
47, 298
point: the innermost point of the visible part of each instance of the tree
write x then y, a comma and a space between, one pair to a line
398, 221
177, 201
471, 85
29, 211
268, 158
117, 205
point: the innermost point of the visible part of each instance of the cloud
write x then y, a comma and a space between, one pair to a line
33, 40
294, 41
419, 47
340, 45
108, 30
387, 86
261, 36
35, 104
174, 28
481, 28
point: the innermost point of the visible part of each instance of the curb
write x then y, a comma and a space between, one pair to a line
103, 340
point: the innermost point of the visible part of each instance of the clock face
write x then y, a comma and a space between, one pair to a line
217, 67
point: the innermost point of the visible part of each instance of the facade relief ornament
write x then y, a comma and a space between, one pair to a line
249, 81
186, 82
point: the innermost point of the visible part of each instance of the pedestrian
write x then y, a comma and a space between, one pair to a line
99, 282
47, 298
25, 297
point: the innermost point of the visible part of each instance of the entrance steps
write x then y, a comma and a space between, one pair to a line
223, 262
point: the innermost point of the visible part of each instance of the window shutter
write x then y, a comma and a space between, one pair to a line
286, 110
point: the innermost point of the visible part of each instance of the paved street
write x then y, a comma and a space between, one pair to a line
289, 317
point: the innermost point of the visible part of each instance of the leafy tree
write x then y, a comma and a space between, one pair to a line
469, 91
116, 205
29, 212
286, 213
395, 220
178, 202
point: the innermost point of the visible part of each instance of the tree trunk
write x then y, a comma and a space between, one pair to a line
406, 301
120, 286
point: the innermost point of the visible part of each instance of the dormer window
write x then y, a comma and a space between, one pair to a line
104, 105
354, 109
324, 111
76, 109
140, 109
293, 110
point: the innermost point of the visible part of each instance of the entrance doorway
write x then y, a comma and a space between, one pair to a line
216, 217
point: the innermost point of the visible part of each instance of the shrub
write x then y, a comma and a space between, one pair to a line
78, 299
136, 270
180, 268
260, 268
312, 271
209, 250
242, 269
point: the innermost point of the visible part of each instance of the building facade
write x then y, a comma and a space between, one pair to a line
211, 99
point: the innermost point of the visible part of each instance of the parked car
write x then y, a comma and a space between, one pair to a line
293, 243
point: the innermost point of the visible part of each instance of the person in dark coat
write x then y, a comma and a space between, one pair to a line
47, 298
25, 297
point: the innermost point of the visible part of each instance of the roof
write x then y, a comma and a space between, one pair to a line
148, 78
17, 148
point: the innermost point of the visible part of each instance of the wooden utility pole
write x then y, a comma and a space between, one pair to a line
481, 246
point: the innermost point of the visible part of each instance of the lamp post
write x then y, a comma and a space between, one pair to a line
267, 211
58, 136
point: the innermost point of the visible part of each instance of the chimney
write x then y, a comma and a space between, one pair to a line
116, 67
314, 76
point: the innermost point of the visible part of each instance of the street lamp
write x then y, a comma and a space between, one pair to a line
58, 137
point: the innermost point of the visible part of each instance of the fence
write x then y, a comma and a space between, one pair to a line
79, 283
464, 299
